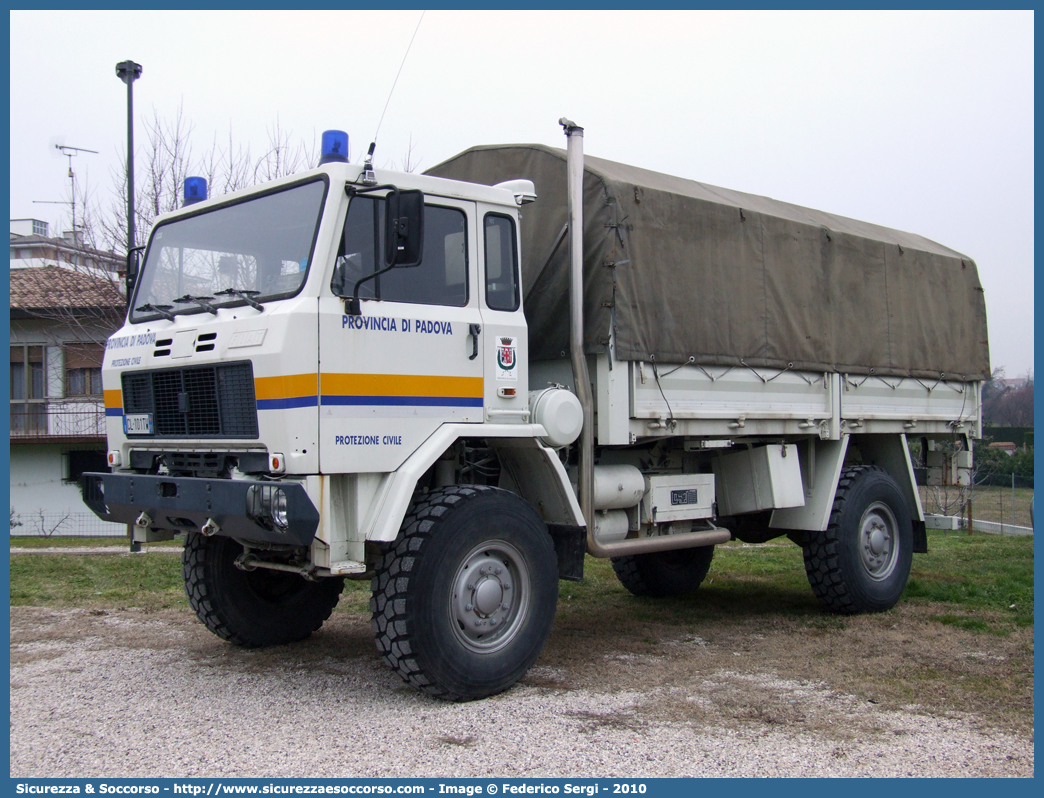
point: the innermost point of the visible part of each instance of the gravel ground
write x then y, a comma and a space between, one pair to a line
131, 694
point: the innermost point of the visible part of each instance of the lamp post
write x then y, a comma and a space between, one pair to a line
128, 72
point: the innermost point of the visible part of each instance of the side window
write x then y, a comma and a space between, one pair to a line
361, 251
440, 279
501, 262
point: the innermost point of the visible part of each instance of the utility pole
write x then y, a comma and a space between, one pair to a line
128, 72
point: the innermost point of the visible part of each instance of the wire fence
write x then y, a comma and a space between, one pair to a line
62, 525
1004, 480
998, 504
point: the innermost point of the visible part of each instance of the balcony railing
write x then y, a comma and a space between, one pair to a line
64, 421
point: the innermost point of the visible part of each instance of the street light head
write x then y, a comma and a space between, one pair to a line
128, 71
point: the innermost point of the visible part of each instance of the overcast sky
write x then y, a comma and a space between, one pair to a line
918, 121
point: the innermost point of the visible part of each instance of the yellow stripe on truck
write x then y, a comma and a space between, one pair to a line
399, 385
286, 387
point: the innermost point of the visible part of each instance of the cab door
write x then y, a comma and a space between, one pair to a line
413, 359
505, 337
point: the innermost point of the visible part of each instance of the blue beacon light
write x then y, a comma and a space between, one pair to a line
195, 190
334, 147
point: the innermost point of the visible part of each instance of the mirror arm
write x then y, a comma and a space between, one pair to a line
351, 190
352, 303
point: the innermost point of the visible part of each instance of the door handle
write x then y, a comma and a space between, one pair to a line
473, 331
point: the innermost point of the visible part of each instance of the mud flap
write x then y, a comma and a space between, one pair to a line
920, 538
570, 548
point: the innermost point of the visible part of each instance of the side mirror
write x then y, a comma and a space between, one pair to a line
404, 228
133, 267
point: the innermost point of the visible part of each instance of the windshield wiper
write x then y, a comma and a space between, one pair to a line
247, 296
163, 310
202, 301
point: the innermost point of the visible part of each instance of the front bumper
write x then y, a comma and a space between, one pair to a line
238, 508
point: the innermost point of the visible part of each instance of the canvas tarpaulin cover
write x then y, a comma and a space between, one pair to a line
686, 272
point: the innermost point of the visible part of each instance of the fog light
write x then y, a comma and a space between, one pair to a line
267, 505
278, 509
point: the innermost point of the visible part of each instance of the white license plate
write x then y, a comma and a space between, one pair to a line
137, 424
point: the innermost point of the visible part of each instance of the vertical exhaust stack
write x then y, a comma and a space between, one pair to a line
581, 379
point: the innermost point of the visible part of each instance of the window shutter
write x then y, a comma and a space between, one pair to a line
84, 356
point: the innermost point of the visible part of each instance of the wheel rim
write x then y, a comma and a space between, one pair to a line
878, 541
490, 597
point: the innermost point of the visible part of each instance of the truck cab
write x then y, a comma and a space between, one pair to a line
244, 356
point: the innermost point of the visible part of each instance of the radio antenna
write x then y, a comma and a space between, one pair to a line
373, 144
68, 152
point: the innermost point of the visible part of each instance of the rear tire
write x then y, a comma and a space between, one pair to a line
464, 598
861, 561
664, 573
252, 608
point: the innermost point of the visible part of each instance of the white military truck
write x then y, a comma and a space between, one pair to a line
456, 384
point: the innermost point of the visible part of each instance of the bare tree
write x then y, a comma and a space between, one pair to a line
169, 157
409, 163
226, 169
54, 527
281, 157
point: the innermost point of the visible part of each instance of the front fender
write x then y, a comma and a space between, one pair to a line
537, 472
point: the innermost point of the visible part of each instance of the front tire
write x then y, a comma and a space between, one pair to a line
464, 599
861, 561
662, 574
252, 608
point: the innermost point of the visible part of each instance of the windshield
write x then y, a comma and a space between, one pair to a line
255, 250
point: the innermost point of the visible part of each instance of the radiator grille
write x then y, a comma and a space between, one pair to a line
195, 402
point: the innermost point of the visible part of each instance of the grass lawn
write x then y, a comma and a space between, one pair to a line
980, 582
983, 583
56, 542
148, 581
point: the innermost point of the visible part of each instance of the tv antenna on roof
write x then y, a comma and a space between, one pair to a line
68, 152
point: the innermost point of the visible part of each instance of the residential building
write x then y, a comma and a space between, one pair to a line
31, 246
1008, 447
64, 305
